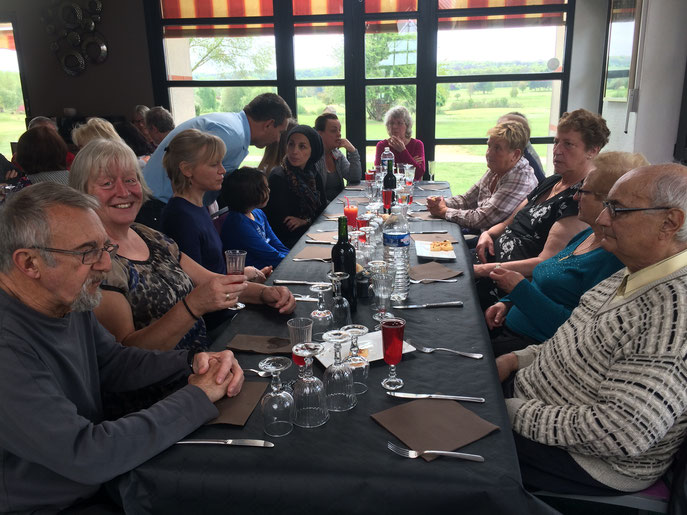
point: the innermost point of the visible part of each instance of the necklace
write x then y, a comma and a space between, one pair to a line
587, 245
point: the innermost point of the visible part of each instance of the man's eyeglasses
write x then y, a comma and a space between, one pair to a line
613, 210
88, 257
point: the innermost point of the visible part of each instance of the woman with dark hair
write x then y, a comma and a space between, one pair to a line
297, 193
246, 227
334, 167
275, 152
133, 137
42, 156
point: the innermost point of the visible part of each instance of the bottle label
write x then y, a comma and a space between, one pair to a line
396, 240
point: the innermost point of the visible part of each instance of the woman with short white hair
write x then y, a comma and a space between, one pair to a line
407, 150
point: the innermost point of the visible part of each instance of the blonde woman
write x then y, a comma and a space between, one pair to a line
94, 128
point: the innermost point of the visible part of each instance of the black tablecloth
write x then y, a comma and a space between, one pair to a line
344, 466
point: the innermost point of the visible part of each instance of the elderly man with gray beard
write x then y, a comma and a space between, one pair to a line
601, 407
56, 360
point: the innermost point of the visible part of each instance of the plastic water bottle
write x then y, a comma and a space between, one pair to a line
396, 246
386, 156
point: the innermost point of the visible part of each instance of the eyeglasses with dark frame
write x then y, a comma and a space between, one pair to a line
88, 257
577, 190
613, 210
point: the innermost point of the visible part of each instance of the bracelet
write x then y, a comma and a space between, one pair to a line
189, 309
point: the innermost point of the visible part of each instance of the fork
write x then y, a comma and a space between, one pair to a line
429, 350
422, 281
409, 453
261, 373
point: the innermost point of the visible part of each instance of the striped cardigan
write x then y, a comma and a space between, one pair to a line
610, 387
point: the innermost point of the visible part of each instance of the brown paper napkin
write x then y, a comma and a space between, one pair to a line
434, 237
432, 270
323, 236
236, 410
434, 424
315, 252
433, 187
421, 200
424, 215
334, 216
260, 344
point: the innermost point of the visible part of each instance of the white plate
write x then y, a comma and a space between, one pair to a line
371, 341
422, 249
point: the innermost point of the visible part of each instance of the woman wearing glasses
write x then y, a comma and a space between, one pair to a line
546, 220
155, 295
533, 311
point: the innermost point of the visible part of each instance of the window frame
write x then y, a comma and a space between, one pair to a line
354, 18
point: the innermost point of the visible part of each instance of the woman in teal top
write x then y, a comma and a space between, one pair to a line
533, 311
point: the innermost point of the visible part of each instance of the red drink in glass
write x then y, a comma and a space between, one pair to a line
298, 360
410, 199
351, 213
392, 339
370, 175
387, 195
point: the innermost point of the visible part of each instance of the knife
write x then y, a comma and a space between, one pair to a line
306, 283
430, 232
236, 441
453, 303
435, 396
321, 242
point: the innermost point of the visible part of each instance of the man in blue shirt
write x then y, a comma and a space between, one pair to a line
260, 123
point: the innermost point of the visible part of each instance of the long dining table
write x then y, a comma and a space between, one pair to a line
344, 466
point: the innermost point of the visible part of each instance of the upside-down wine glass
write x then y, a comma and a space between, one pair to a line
308, 392
338, 378
383, 285
341, 309
355, 360
322, 317
392, 341
278, 404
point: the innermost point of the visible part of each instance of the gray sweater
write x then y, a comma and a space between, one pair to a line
610, 387
55, 446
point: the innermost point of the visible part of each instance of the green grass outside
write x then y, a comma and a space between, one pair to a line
11, 127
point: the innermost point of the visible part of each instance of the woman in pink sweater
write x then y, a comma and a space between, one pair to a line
399, 125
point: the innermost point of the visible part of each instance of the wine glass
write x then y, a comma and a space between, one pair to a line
357, 362
383, 284
322, 317
308, 392
392, 340
410, 174
341, 309
236, 262
278, 404
338, 378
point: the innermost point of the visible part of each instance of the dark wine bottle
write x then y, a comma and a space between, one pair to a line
389, 186
343, 259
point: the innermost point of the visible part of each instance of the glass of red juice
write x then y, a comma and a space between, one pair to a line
351, 213
370, 174
392, 341
387, 195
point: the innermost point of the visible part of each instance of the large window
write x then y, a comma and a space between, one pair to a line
12, 113
457, 65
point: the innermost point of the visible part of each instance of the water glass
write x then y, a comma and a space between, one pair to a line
300, 330
392, 341
409, 174
236, 262
430, 170
383, 284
